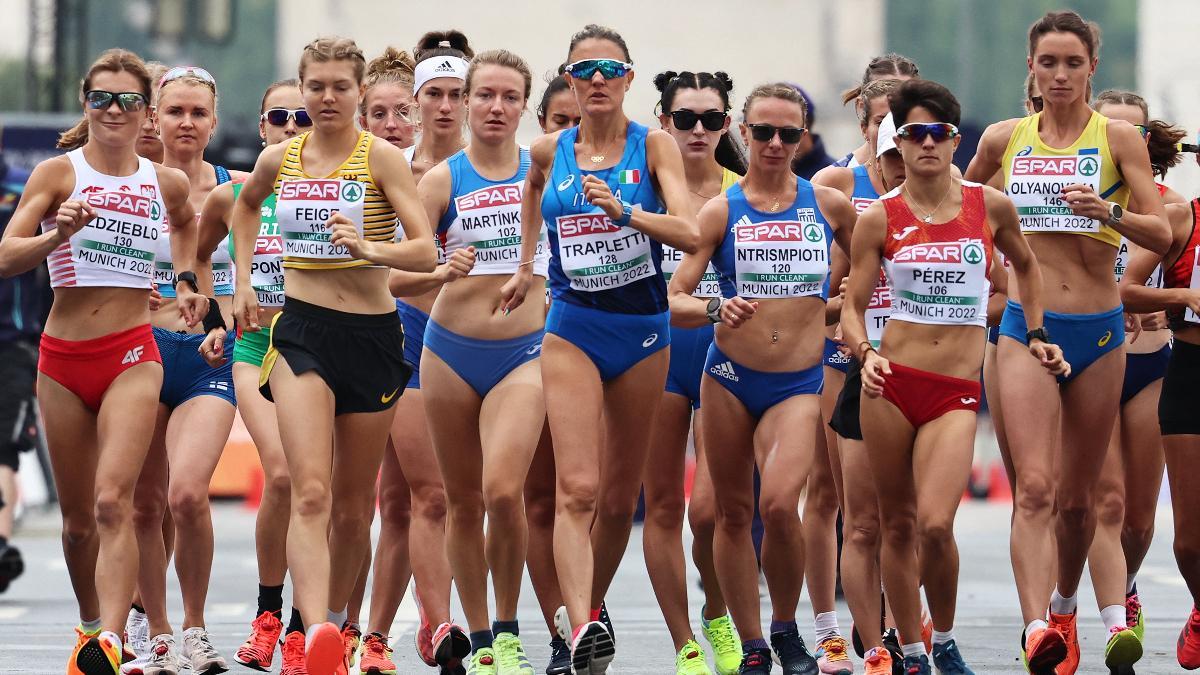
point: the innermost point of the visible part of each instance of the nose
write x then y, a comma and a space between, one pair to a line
698, 128
598, 78
290, 127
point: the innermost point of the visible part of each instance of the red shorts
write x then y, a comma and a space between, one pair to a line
922, 396
86, 368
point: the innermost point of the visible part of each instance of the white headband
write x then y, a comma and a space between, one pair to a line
439, 66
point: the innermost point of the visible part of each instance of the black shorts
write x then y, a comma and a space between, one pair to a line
359, 356
1180, 398
844, 420
18, 375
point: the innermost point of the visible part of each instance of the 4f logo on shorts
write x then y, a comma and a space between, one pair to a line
133, 355
725, 370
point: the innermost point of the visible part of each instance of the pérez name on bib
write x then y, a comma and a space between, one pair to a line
1035, 185
305, 205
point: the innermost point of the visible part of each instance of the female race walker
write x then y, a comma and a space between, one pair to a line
101, 209
334, 374
695, 111
933, 238
890, 66
1080, 182
282, 116
768, 237
602, 188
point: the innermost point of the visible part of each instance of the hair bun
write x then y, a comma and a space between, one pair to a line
724, 79
664, 78
444, 39
392, 60
444, 43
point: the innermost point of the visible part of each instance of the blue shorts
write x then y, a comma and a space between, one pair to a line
481, 363
689, 349
1141, 370
413, 320
759, 391
834, 358
994, 335
186, 374
615, 342
1084, 338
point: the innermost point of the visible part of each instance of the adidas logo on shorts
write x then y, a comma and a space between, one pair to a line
725, 370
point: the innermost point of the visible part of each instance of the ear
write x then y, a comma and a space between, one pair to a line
745, 131
728, 121
664, 121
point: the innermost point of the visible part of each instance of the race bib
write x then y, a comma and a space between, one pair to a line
940, 282
878, 310
1035, 185
1188, 314
490, 220
266, 268
1155, 280
709, 286
597, 254
780, 259
303, 207
123, 235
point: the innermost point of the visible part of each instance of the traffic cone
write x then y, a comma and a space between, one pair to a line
998, 488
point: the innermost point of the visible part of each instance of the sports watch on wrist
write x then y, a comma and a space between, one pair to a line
188, 278
714, 309
626, 214
1037, 334
1115, 213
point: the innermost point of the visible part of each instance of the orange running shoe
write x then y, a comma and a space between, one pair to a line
1187, 650
1045, 648
100, 655
878, 662
81, 639
258, 651
375, 657
351, 639
324, 650
292, 655
1065, 623
424, 635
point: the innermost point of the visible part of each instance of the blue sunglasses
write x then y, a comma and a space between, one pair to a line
609, 68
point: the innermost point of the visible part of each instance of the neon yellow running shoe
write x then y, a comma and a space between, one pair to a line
483, 662
1124, 648
510, 655
727, 650
690, 660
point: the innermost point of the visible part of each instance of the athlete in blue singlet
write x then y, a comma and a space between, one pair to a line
601, 188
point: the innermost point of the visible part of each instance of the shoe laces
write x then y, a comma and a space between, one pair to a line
376, 646
508, 651
721, 635
260, 638
1133, 606
834, 648
788, 644
160, 651
198, 642
293, 647
754, 660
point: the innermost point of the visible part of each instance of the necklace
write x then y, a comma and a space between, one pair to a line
598, 158
704, 196
929, 216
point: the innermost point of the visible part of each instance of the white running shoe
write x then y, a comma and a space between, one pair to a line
562, 623
159, 659
137, 632
200, 654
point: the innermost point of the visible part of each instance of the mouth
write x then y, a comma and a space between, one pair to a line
698, 145
329, 113
393, 139
149, 138
495, 123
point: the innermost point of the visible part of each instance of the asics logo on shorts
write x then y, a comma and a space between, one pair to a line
1104, 339
651, 339
968, 400
566, 182
133, 355
387, 398
904, 233
725, 370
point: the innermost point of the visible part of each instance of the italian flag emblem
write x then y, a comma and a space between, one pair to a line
630, 177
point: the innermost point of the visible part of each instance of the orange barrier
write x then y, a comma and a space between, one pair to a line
238, 473
998, 488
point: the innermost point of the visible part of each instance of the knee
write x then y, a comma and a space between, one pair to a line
352, 516
667, 512
1187, 550
78, 527
577, 496
278, 486
429, 502
617, 506
539, 509
821, 502
188, 502
395, 510
735, 517
701, 517
900, 527
937, 535
149, 507
862, 532
113, 508
1076, 514
1137, 534
779, 513
1035, 495
1110, 506
311, 499
466, 505
504, 503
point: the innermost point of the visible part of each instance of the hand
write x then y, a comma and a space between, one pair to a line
1084, 201
596, 192
156, 300
737, 311
1051, 358
874, 369
1154, 321
840, 340
345, 233
1189, 299
245, 308
213, 347
72, 217
512, 293
1133, 327
192, 306
459, 265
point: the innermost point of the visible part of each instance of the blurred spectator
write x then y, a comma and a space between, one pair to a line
810, 155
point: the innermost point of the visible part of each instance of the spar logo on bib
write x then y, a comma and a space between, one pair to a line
973, 253
314, 190
585, 224
1050, 166
498, 195
352, 191
1089, 166
128, 204
777, 231
938, 252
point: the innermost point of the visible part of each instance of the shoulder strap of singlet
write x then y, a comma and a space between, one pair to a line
1195, 206
526, 161
222, 174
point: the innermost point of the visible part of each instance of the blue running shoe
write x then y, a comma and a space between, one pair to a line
948, 661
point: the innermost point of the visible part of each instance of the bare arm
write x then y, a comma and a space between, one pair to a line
866, 254
676, 227
1148, 227
541, 155
1136, 296
688, 311
214, 221
175, 188
985, 166
434, 192
393, 177
23, 248
246, 220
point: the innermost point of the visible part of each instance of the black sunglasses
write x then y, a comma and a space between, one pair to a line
685, 120
129, 101
278, 117
763, 133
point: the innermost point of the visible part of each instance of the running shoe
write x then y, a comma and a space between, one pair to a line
11, 565
258, 651
1066, 624
200, 654
324, 650
161, 659
592, 649
510, 655
916, 665
690, 660
560, 658
832, 658
1044, 649
1134, 617
99, 655
375, 656
137, 632
562, 623
756, 662
81, 639
351, 639
1187, 650
483, 662
291, 655
605, 619
948, 661
891, 642
450, 646
793, 655
1123, 649
424, 635
727, 651
878, 661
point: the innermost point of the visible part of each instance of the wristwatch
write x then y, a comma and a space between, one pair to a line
626, 214
188, 278
1115, 213
1037, 334
714, 309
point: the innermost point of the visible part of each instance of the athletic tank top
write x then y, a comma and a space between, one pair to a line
304, 203
116, 249
222, 263
939, 272
595, 262
266, 267
486, 214
1035, 174
880, 307
709, 286
1185, 271
774, 255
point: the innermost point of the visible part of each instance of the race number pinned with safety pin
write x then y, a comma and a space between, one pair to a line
1188, 314
305, 206
123, 235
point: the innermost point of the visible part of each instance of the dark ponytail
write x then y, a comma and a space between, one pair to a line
728, 153
1161, 138
443, 43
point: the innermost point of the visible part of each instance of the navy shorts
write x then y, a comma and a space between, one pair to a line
760, 391
186, 374
834, 358
1141, 370
413, 320
689, 350
481, 363
613, 341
